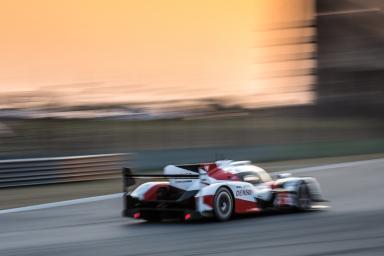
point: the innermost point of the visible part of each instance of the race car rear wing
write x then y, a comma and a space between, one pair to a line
129, 178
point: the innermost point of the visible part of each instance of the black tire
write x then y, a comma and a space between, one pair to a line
304, 201
223, 204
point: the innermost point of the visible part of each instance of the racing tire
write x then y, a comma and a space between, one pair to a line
223, 204
304, 201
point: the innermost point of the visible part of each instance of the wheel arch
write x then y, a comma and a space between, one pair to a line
230, 191
233, 201
314, 188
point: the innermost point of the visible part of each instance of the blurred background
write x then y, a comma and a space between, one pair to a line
89, 86
188, 81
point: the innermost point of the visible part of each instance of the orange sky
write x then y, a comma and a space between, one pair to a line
87, 51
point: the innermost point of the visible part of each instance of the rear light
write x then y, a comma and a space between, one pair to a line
136, 215
187, 216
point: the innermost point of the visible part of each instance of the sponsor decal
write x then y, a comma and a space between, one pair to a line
243, 192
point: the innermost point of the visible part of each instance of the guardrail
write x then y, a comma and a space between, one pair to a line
38, 171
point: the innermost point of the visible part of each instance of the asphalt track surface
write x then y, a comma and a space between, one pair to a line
354, 225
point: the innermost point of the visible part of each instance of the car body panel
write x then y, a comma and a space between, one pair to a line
251, 187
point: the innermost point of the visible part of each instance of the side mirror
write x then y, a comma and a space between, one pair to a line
252, 179
283, 175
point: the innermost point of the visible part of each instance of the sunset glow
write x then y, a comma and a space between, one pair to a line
86, 52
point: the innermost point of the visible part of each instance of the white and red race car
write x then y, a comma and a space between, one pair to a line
220, 189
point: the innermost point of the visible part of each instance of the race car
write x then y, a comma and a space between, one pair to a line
219, 189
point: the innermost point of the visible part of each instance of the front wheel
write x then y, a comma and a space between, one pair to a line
223, 204
304, 201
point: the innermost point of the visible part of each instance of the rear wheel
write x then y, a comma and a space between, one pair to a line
304, 200
223, 204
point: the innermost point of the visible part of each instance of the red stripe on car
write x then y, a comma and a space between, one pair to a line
208, 200
244, 206
151, 194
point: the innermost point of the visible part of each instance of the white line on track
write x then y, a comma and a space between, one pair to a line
333, 166
62, 203
117, 195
